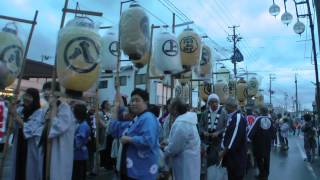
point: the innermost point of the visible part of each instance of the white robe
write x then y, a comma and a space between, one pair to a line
62, 135
184, 147
32, 131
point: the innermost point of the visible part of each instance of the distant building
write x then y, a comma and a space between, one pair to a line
129, 79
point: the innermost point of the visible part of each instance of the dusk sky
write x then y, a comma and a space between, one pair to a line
268, 45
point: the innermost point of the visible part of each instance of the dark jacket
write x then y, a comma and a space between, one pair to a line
235, 143
261, 135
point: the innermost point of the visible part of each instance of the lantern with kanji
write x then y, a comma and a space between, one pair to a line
11, 55
253, 85
223, 74
78, 54
134, 33
222, 90
205, 90
167, 53
190, 48
205, 65
241, 92
109, 52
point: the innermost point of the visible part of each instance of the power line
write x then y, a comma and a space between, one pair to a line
159, 19
166, 6
178, 10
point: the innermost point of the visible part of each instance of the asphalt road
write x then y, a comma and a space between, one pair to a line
284, 165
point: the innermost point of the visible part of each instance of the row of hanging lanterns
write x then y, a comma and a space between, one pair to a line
287, 17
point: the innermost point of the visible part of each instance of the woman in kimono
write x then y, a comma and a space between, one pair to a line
140, 139
27, 161
184, 143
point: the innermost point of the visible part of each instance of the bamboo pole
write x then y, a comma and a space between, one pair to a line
54, 104
17, 90
65, 10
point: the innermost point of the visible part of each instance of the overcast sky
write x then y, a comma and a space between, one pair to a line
268, 45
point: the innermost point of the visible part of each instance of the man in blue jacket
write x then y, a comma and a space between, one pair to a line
234, 142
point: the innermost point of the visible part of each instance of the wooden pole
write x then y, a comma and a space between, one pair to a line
54, 104
97, 117
17, 90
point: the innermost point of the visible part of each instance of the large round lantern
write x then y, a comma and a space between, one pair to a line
232, 87
185, 78
241, 92
223, 74
205, 91
190, 47
205, 62
78, 54
11, 55
253, 85
222, 90
109, 52
134, 32
259, 99
167, 53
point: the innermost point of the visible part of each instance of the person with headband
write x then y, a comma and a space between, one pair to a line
212, 125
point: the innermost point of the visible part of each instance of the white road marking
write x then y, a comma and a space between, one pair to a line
308, 164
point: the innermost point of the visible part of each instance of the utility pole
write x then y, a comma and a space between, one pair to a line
271, 78
235, 38
296, 101
317, 6
286, 101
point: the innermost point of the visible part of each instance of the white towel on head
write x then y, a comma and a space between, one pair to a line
213, 96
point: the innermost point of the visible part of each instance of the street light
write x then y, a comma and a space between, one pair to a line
286, 17
299, 27
274, 10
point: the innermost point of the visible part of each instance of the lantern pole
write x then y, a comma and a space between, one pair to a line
65, 10
117, 79
150, 55
174, 25
17, 90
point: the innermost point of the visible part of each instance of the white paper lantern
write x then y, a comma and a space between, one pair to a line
134, 32
253, 86
190, 47
109, 52
223, 74
242, 92
205, 90
11, 55
78, 54
222, 90
167, 53
205, 62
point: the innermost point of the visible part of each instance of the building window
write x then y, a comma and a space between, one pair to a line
141, 79
103, 84
123, 80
